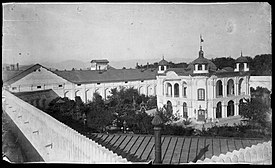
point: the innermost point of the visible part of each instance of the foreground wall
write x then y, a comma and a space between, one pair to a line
257, 154
53, 140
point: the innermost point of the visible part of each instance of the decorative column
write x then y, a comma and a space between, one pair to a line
236, 88
181, 90
224, 110
157, 122
236, 108
173, 91
214, 90
224, 87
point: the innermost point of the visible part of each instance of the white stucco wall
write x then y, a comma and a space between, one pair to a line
262, 81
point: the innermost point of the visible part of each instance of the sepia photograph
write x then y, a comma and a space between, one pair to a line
137, 83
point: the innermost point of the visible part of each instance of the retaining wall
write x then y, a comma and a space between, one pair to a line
53, 140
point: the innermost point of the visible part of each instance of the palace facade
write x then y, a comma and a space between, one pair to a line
201, 91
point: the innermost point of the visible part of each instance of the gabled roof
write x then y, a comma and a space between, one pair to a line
22, 74
175, 149
111, 75
100, 61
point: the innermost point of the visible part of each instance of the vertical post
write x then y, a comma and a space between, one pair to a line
157, 122
157, 145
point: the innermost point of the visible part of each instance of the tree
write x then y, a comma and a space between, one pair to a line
255, 110
223, 62
261, 65
98, 116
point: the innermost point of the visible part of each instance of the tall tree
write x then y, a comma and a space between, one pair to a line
255, 110
98, 116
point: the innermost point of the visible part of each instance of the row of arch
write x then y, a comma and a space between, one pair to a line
230, 90
230, 108
105, 92
175, 89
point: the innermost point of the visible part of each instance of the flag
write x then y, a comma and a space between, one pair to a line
201, 39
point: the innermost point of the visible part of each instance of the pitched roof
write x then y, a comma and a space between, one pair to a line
22, 74
175, 149
100, 61
111, 75
163, 62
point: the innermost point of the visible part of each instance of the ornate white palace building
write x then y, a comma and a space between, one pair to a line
200, 91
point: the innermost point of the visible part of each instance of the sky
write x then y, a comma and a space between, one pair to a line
52, 32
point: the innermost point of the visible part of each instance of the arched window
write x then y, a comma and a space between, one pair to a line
230, 108
169, 108
201, 94
219, 88
176, 90
219, 110
241, 87
162, 67
168, 89
230, 87
185, 115
184, 89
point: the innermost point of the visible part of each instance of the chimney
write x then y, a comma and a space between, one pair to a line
147, 65
137, 65
17, 66
157, 122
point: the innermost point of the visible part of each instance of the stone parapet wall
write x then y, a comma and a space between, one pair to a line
256, 154
53, 140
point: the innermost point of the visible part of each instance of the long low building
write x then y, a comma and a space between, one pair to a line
82, 83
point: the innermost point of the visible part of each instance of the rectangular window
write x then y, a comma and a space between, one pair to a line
60, 85
199, 67
78, 84
38, 87
98, 83
201, 94
126, 81
14, 88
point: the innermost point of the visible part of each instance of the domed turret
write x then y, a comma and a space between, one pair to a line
241, 64
201, 64
162, 66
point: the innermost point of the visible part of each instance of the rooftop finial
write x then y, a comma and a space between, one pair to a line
201, 52
201, 42
241, 53
162, 57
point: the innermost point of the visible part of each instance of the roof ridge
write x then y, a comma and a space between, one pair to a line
23, 72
